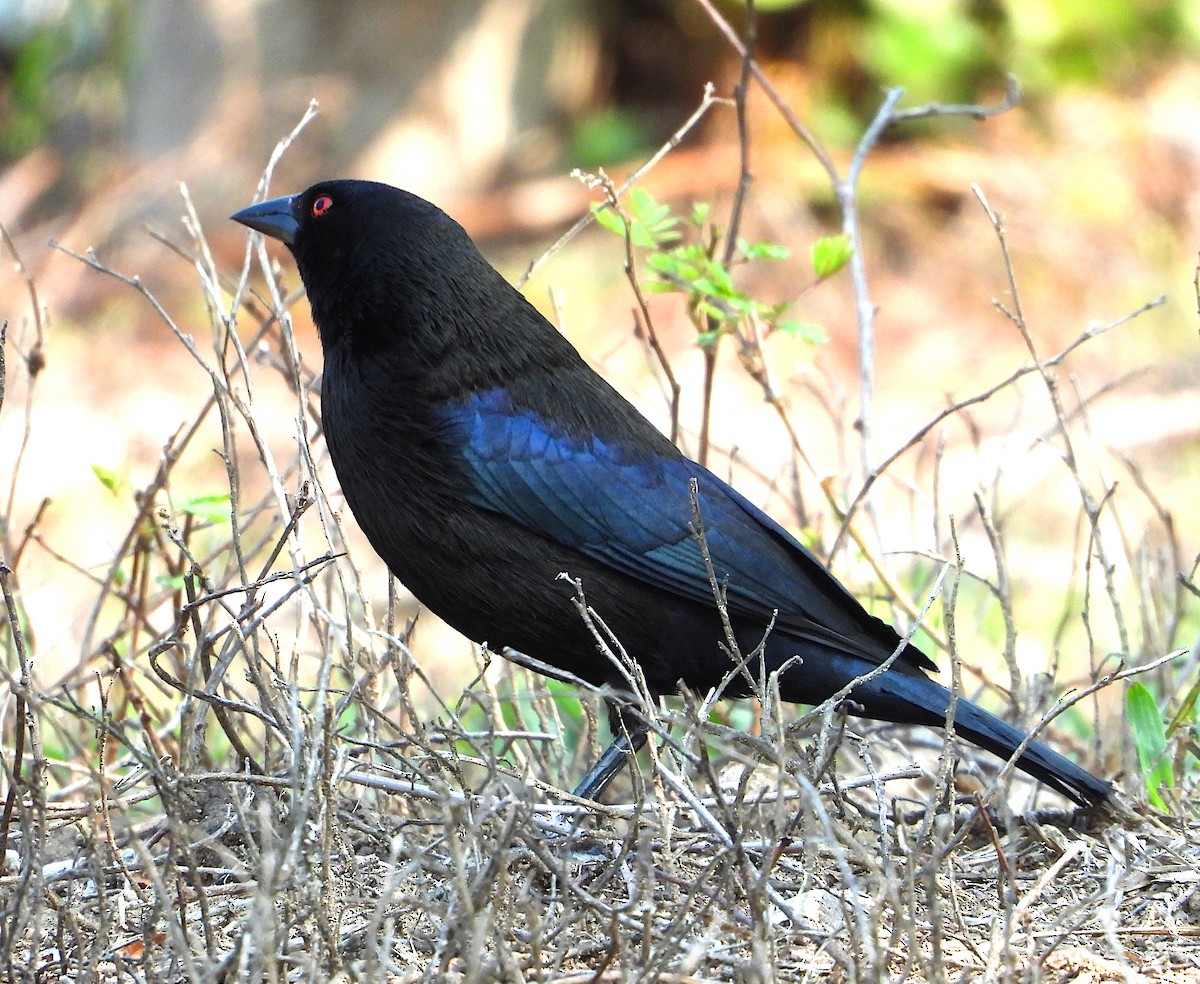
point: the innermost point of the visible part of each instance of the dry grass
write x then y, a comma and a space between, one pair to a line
249, 776
426, 855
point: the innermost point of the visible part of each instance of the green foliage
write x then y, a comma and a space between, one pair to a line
213, 508
29, 112
349, 718
950, 51
518, 710
736, 714
67, 72
692, 265
932, 49
830, 254
651, 226
1150, 739
1095, 43
1167, 752
109, 479
605, 137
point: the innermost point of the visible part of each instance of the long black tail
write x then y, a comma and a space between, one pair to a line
1043, 763
895, 696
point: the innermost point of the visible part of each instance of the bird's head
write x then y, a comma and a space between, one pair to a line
369, 254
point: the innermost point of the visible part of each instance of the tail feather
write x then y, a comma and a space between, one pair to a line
914, 699
1038, 760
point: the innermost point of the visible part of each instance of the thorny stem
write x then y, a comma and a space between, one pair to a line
642, 315
27, 727
981, 397
1090, 505
736, 210
847, 196
35, 362
846, 191
1004, 593
793, 121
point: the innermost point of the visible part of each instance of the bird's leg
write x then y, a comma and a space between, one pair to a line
610, 763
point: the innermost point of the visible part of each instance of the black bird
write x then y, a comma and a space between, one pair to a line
483, 458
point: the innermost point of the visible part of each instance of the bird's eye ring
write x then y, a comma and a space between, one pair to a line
321, 204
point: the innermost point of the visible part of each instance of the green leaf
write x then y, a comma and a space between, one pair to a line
674, 265
642, 236
214, 508
830, 254
710, 288
609, 219
700, 213
660, 286
710, 310
763, 250
803, 331
1150, 740
641, 202
650, 224
108, 479
566, 697
653, 224
606, 136
348, 717
174, 583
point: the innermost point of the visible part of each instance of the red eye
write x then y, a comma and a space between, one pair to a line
321, 204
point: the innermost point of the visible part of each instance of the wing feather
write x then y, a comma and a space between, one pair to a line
631, 510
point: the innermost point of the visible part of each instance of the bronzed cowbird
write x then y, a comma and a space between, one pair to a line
484, 458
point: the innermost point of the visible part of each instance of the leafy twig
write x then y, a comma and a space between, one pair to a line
709, 100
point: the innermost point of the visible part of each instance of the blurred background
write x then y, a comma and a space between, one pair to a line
108, 107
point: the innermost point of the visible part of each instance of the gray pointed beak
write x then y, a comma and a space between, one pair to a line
272, 218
